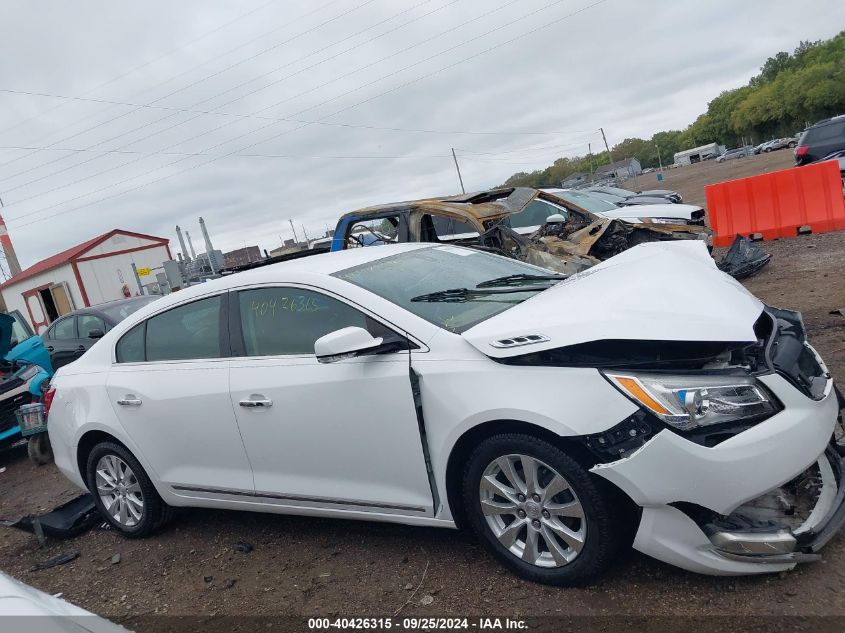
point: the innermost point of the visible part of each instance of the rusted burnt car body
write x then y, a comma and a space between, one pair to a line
568, 242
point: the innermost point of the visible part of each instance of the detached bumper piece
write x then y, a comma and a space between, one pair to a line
789, 524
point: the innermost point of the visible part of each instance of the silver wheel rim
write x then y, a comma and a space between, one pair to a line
119, 491
532, 510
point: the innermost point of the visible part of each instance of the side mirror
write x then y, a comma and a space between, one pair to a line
96, 334
350, 342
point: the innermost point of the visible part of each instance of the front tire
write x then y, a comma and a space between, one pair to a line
123, 492
539, 511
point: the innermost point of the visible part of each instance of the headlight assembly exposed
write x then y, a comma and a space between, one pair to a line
689, 402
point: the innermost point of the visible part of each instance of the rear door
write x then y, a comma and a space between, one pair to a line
169, 387
62, 341
340, 435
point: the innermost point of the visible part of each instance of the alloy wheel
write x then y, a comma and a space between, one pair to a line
119, 491
532, 510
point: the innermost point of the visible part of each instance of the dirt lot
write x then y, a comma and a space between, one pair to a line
302, 566
689, 180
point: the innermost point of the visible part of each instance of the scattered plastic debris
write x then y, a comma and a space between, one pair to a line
68, 520
244, 547
61, 559
743, 259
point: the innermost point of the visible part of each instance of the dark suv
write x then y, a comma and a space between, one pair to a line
821, 139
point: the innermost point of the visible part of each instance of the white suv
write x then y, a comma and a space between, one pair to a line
649, 398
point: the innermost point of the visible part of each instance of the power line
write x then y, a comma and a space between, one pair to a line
278, 119
180, 123
94, 127
494, 47
219, 127
144, 65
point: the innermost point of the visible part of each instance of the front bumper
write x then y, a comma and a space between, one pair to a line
670, 474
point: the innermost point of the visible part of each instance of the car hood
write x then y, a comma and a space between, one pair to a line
660, 291
662, 210
6, 322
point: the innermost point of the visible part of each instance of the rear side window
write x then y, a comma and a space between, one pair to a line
278, 321
190, 331
130, 348
64, 329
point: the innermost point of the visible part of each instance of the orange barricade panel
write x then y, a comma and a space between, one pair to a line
777, 204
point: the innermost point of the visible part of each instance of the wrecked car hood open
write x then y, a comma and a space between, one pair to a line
662, 291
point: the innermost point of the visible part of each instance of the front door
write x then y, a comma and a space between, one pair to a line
340, 435
170, 390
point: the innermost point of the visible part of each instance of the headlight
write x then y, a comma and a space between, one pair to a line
29, 373
688, 402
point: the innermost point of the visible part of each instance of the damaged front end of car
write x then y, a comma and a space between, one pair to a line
735, 455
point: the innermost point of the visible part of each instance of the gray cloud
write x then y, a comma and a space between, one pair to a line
633, 68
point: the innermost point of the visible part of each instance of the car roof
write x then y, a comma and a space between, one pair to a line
287, 271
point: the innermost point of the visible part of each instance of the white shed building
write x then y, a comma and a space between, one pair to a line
93, 272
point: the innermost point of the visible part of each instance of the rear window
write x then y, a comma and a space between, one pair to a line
823, 133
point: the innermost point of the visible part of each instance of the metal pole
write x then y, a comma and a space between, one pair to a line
295, 238
137, 278
461, 180
609, 156
659, 160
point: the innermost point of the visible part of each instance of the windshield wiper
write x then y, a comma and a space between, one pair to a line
461, 295
518, 280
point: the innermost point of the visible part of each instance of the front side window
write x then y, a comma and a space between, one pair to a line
88, 323
63, 329
535, 214
279, 321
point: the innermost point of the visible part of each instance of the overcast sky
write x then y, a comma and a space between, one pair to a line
305, 109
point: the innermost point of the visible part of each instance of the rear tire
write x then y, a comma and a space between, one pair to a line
555, 527
123, 493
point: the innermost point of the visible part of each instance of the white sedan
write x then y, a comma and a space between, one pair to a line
650, 398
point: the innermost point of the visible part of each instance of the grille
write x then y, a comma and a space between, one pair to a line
8, 408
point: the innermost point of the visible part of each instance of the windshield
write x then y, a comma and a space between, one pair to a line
589, 201
410, 274
121, 309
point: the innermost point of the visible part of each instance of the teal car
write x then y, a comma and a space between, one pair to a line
25, 372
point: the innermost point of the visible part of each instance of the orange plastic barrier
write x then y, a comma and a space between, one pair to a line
777, 204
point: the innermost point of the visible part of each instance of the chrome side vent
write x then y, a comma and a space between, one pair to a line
516, 341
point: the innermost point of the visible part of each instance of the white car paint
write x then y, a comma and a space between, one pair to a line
23, 607
343, 439
650, 292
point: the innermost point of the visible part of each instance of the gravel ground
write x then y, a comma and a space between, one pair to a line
302, 566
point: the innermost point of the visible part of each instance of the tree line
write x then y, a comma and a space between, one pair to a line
792, 91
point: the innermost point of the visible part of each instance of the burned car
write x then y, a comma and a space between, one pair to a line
569, 241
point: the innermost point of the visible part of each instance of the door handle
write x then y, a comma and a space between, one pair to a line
129, 401
256, 403
81, 348
50, 348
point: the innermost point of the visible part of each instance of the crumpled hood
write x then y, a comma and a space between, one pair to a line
666, 291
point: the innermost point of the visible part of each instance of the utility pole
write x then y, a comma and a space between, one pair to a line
659, 160
609, 156
455, 158
295, 238
590, 154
